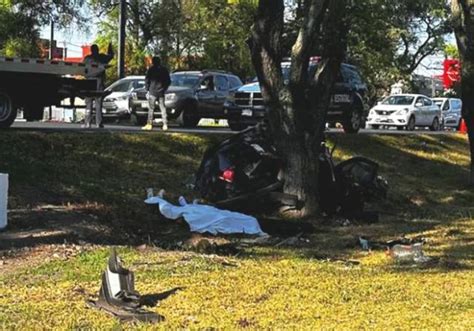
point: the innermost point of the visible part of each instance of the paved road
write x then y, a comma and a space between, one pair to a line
56, 126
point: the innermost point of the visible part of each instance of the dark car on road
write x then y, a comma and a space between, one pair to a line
191, 96
348, 105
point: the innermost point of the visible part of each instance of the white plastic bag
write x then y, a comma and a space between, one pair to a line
3, 200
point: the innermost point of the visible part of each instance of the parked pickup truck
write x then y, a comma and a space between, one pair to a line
191, 96
245, 107
32, 84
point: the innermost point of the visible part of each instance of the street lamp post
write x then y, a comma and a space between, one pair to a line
122, 36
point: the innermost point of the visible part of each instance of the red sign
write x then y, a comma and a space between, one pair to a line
451, 73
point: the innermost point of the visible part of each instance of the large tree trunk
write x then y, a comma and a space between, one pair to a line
297, 112
463, 18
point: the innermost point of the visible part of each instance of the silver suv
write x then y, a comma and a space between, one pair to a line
116, 104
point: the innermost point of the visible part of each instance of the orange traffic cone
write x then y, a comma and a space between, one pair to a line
462, 126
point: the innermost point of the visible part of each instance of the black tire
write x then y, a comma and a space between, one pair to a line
353, 122
375, 126
187, 117
33, 113
236, 126
435, 125
136, 119
7, 111
411, 124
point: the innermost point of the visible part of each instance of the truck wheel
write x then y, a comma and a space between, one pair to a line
353, 122
435, 125
236, 126
187, 117
33, 113
411, 124
136, 119
7, 111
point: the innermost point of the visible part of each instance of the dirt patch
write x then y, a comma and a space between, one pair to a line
55, 225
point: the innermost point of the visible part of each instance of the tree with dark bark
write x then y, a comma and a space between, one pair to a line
463, 20
297, 111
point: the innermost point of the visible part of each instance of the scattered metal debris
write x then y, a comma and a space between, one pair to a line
117, 295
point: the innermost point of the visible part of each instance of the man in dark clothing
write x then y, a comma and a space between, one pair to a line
96, 58
157, 81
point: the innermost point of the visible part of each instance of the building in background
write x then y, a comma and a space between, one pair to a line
60, 53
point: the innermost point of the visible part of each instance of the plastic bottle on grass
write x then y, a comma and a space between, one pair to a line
409, 253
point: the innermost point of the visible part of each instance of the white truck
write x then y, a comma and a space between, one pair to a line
32, 84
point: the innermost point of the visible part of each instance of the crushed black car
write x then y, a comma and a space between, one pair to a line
244, 171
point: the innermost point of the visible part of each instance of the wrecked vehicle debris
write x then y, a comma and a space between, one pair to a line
117, 295
244, 170
240, 169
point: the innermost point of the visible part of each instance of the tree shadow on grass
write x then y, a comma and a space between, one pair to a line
427, 193
113, 171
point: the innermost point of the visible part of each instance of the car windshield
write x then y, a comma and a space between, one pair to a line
438, 103
286, 68
138, 84
184, 80
399, 100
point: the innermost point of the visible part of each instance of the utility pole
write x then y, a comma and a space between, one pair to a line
51, 42
122, 36
65, 50
51, 56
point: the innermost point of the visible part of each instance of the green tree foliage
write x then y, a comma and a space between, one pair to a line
18, 32
451, 51
387, 39
224, 30
20, 21
187, 34
62, 12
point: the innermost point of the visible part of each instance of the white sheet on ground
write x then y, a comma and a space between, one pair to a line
204, 218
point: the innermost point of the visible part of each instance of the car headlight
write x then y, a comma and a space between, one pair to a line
170, 97
134, 95
403, 111
122, 98
372, 113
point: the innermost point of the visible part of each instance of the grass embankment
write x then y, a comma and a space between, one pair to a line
315, 284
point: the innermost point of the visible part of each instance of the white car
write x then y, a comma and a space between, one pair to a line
405, 111
451, 109
117, 104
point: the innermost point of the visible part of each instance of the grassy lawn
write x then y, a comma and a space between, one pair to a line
62, 183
